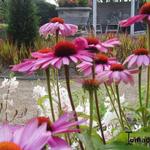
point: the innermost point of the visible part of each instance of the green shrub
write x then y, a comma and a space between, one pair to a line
74, 3
46, 11
22, 22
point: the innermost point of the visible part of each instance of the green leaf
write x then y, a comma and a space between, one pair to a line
121, 146
42, 100
86, 139
92, 142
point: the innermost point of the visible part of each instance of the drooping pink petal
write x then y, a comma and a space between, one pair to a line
132, 61
39, 137
57, 143
140, 61
74, 59
131, 20
65, 61
65, 118
6, 133
146, 60
116, 76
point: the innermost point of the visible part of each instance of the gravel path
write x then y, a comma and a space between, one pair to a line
27, 107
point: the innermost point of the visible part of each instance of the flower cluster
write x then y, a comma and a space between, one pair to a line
91, 56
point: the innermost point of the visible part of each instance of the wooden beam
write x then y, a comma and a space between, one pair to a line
94, 15
132, 14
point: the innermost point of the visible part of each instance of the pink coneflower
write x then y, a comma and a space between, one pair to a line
57, 25
29, 65
144, 14
116, 74
24, 67
65, 124
94, 45
101, 63
28, 137
42, 52
64, 53
140, 57
90, 84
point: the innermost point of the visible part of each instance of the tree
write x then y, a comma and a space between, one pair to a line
45, 11
3, 10
22, 22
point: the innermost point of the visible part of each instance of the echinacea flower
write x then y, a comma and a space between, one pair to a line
57, 25
90, 84
94, 45
28, 137
140, 57
101, 63
41, 52
28, 65
65, 124
24, 67
116, 74
64, 53
144, 15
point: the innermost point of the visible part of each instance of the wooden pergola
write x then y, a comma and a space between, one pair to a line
107, 1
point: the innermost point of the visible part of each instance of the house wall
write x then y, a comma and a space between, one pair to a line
111, 13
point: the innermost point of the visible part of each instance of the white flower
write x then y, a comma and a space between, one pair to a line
137, 127
5, 83
39, 91
74, 145
11, 84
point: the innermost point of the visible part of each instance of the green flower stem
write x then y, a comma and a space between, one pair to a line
58, 91
148, 71
97, 106
91, 98
99, 117
57, 77
123, 114
67, 76
49, 93
111, 100
57, 36
119, 106
140, 94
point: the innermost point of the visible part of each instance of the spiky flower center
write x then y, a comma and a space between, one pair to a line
57, 19
45, 50
42, 120
101, 59
117, 67
141, 51
90, 84
65, 49
92, 40
145, 9
9, 146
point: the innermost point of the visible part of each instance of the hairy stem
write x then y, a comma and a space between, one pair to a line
91, 111
49, 93
67, 76
140, 94
123, 114
99, 117
111, 100
58, 91
119, 106
148, 71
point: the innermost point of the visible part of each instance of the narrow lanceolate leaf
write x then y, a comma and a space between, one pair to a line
92, 142
42, 100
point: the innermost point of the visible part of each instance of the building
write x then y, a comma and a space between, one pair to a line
107, 13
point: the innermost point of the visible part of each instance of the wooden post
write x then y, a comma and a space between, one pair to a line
132, 14
94, 15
